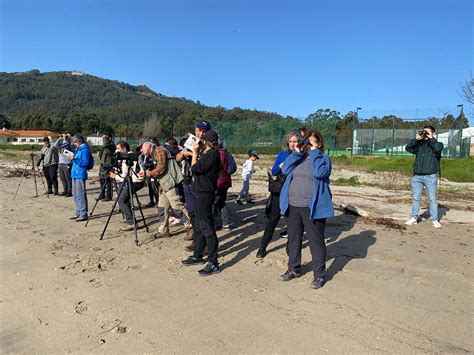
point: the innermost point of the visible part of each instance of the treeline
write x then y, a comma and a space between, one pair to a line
80, 103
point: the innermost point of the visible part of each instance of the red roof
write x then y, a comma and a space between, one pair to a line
24, 133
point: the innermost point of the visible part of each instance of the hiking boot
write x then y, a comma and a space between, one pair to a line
210, 269
318, 282
412, 221
261, 253
192, 260
289, 275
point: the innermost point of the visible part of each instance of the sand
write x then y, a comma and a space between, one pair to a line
389, 289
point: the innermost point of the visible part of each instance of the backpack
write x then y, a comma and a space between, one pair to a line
231, 166
90, 163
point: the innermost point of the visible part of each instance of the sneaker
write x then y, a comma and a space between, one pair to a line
127, 228
436, 224
250, 201
63, 193
173, 221
412, 221
318, 282
289, 275
192, 260
226, 227
74, 217
210, 269
82, 219
261, 253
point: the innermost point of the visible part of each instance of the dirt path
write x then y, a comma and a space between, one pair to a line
389, 289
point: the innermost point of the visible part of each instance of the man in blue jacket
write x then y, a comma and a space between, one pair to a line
80, 163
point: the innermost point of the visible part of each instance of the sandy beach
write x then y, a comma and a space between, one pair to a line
389, 289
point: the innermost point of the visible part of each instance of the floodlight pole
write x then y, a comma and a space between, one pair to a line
353, 127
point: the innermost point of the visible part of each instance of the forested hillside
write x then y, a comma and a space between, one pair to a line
78, 102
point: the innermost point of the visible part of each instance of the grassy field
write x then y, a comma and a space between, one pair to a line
460, 170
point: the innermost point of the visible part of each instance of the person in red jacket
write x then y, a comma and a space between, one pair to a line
224, 183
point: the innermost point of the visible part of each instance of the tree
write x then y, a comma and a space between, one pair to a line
5, 121
153, 127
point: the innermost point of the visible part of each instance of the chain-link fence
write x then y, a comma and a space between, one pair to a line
367, 133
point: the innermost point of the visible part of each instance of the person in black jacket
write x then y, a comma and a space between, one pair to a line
425, 172
105, 156
205, 170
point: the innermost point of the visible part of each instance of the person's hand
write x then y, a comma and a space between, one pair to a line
112, 175
71, 157
148, 173
141, 173
297, 149
195, 146
418, 137
430, 134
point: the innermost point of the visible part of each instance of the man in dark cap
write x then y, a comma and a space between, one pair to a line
205, 169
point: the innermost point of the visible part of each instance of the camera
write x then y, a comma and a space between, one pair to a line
149, 165
302, 142
125, 156
423, 133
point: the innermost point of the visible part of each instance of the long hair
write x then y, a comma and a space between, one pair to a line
290, 134
318, 135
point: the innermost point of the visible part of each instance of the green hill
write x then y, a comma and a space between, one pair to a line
82, 103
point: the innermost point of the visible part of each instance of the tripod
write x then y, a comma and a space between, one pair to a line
127, 184
31, 160
97, 201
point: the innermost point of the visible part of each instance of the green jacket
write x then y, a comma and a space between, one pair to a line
428, 154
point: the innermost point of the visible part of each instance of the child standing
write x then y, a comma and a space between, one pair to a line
247, 172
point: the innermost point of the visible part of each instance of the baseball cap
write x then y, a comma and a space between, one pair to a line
203, 125
254, 153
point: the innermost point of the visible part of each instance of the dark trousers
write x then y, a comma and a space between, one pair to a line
124, 200
205, 233
65, 176
273, 219
298, 220
152, 190
107, 192
189, 198
51, 174
220, 209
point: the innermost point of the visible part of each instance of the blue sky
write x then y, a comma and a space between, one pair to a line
290, 57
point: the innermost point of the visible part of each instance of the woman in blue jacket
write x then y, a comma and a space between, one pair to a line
307, 201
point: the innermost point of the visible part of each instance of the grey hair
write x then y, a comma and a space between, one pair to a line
80, 139
294, 132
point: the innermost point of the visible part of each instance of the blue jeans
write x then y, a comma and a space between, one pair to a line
430, 183
245, 192
79, 193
